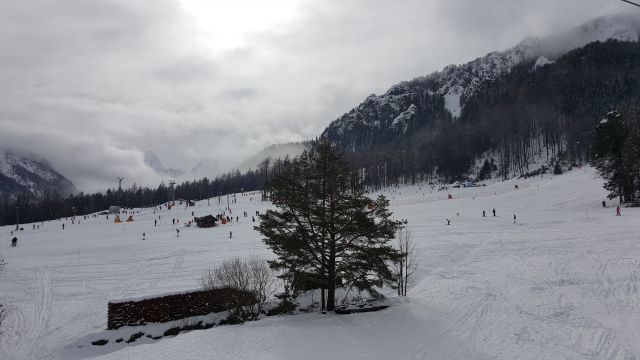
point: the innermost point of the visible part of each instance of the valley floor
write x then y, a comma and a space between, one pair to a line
563, 282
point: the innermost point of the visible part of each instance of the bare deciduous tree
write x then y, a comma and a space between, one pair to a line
408, 263
251, 275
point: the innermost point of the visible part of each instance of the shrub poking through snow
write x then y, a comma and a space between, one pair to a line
251, 275
557, 169
408, 263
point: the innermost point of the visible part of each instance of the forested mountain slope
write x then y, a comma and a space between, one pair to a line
539, 108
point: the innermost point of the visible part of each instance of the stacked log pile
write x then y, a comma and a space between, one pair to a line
173, 307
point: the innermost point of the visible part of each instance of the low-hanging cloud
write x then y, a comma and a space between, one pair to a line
91, 85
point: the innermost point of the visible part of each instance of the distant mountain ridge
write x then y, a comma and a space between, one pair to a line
31, 175
153, 161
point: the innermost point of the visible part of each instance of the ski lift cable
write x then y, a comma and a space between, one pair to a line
631, 2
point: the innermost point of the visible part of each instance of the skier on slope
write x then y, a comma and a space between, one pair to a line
494, 212
618, 211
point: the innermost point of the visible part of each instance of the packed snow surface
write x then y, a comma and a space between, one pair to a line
541, 61
452, 102
563, 282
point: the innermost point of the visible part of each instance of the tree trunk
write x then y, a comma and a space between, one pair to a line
331, 274
406, 271
620, 184
401, 277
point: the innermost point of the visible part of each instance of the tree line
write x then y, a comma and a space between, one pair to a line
26, 208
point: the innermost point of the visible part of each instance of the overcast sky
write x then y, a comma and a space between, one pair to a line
90, 85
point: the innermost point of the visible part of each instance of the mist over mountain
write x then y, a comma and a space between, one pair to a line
274, 152
153, 161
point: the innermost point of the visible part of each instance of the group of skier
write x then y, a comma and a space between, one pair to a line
484, 214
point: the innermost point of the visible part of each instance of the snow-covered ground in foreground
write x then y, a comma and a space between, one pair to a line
561, 283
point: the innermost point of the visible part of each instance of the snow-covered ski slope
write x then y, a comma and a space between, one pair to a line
561, 283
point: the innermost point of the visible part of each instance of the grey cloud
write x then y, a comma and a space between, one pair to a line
186, 71
90, 85
242, 93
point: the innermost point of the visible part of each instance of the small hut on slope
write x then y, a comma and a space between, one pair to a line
206, 221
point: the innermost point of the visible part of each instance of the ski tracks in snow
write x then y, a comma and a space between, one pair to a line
30, 325
539, 292
472, 320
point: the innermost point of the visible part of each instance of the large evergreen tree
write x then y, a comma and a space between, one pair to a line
631, 160
324, 225
611, 136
